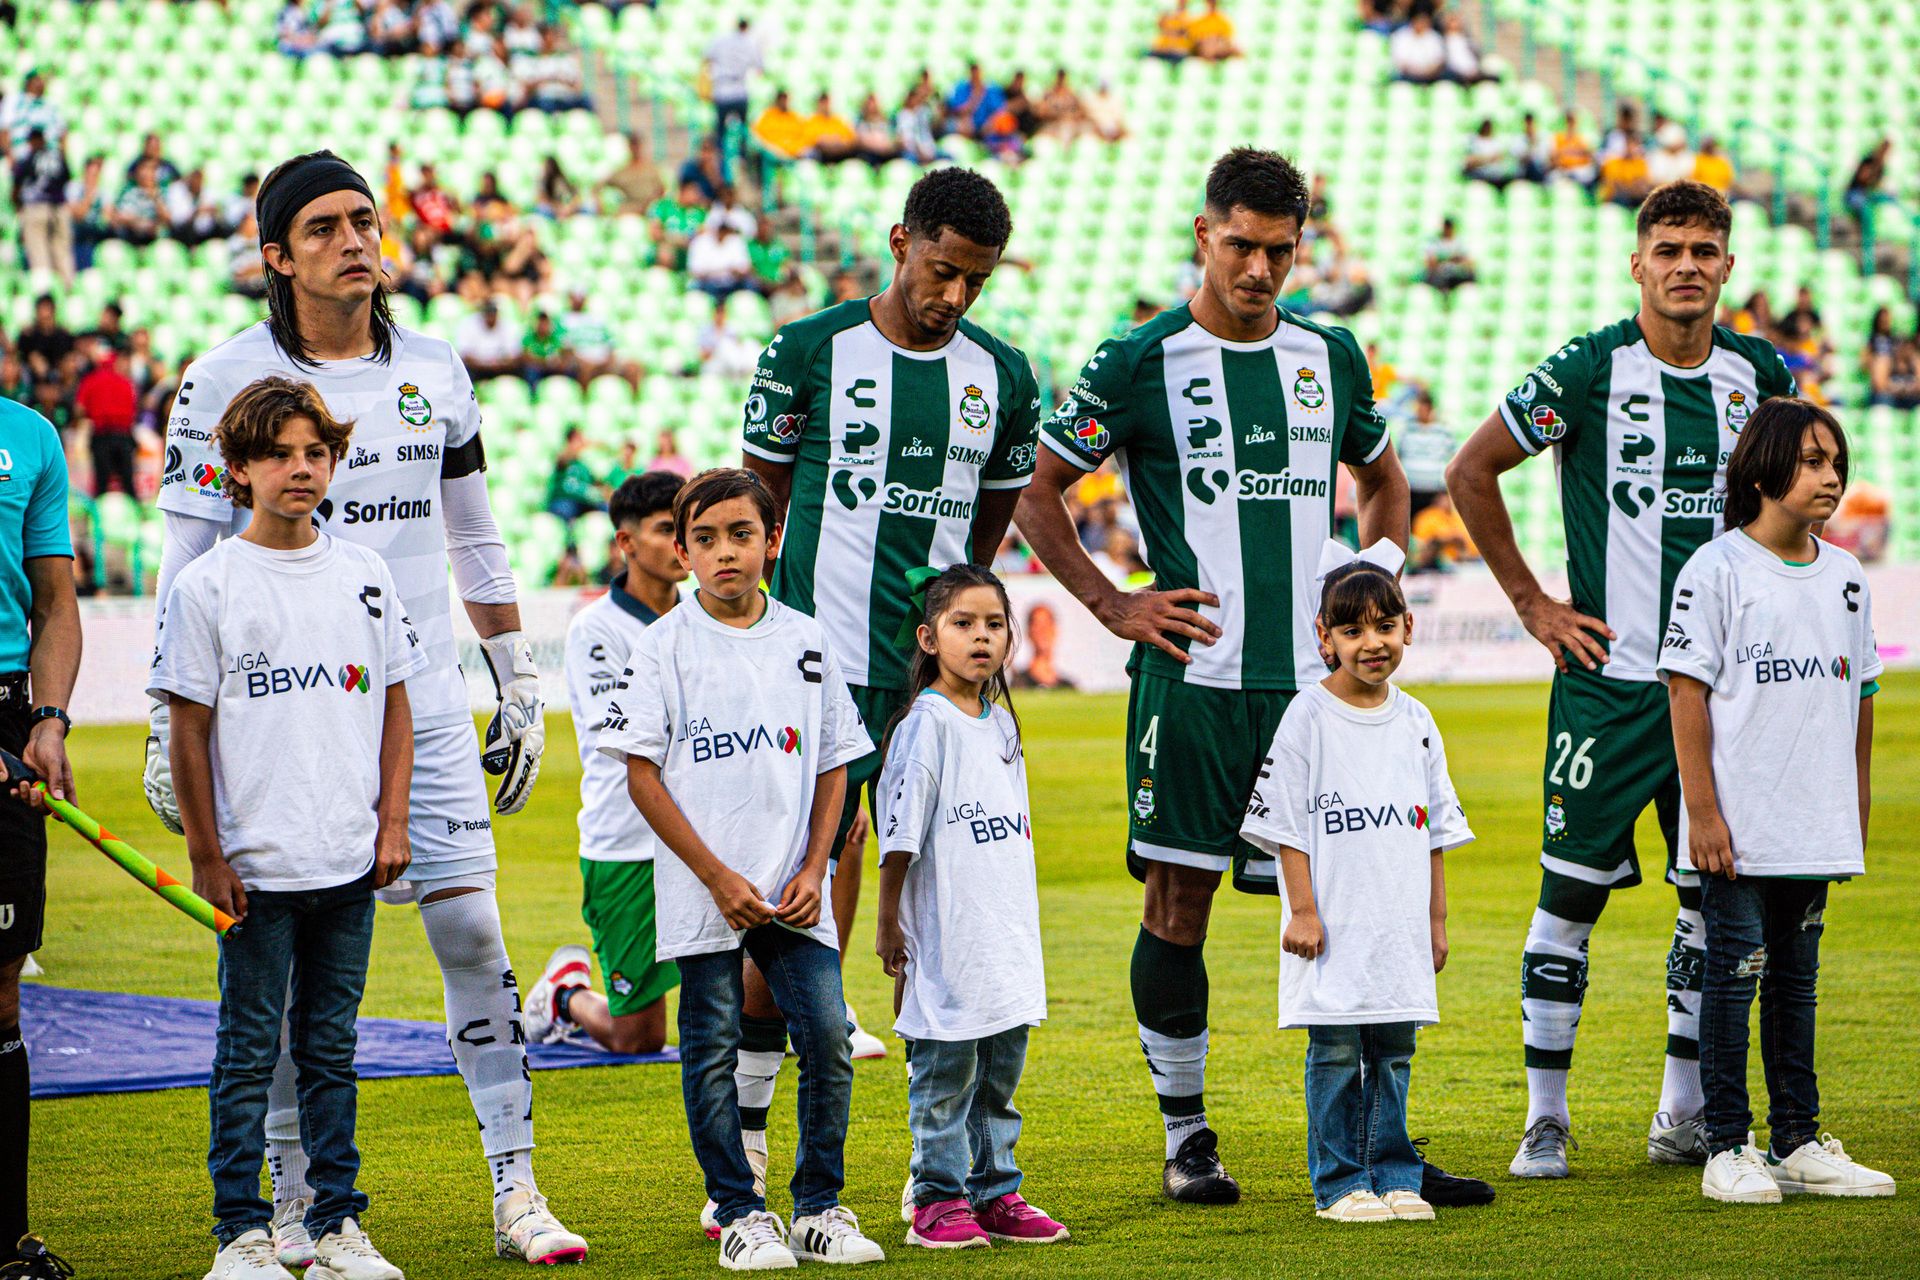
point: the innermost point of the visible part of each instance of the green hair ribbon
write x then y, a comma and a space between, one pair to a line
918, 580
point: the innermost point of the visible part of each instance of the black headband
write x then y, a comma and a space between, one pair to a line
299, 186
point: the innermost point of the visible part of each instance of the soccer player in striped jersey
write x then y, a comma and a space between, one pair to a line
1641, 417
1229, 416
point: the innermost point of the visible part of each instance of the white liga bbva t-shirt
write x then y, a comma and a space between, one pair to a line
294, 651
1365, 795
1786, 651
953, 797
741, 722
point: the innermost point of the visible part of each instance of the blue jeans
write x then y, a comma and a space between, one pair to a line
318, 941
960, 1109
1357, 1139
804, 975
1764, 931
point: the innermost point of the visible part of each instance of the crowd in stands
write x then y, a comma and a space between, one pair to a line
1179, 34
1622, 169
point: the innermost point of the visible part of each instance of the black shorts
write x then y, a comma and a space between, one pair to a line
23, 839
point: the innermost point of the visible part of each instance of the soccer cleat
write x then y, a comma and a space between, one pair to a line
757, 1161
1195, 1174
1445, 1190
347, 1254
755, 1242
1408, 1206
290, 1239
36, 1262
832, 1236
525, 1228
947, 1224
1357, 1206
864, 1043
245, 1257
1824, 1168
1012, 1218
906, 1200
1682, 1143
1739, 1176
568, 966
1543, 1150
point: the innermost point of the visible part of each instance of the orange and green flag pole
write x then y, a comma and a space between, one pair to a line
129, 859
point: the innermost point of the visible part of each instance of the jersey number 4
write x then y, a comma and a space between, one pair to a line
1580, 772
1149, 744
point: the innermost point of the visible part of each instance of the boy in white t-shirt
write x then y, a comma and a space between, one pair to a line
1355, 804
285, 654
735, 727
1770, 664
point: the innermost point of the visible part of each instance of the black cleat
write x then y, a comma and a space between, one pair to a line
1445, 1190
35, 1262
1195, 1174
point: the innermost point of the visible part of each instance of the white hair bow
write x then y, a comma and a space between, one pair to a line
1335, 554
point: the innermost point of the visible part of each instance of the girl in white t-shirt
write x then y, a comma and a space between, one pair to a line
1770, 664
960, 916
1355, 803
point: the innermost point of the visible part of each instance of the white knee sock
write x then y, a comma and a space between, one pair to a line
1547, 1095
1681, 1096
483, 1025
286, 1159
1179, 1068
754, 1078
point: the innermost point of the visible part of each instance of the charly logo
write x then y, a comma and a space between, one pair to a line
415, 411
1308, 391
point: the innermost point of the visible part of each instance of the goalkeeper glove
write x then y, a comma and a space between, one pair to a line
517, 734
157, 780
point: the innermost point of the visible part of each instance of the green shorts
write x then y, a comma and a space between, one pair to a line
617, 904
1609, 755
877, 708
1194, 754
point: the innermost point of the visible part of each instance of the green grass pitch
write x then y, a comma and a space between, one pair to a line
120, 1185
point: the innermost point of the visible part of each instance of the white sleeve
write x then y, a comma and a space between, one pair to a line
1869, 656
1695, 640
190, 483
463, 424
910, 789
638, 721
1277, 810
405, 657
1446, 820
481, 573
183, 539
594, 660
187, 661
843, 737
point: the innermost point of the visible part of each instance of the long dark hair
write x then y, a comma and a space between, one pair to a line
941, 593
282, 319
1767, 456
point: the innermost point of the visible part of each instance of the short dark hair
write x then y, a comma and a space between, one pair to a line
1264, 182
1766, 458
642, 496
1358, 591
962, 199
1683, 204
717, 485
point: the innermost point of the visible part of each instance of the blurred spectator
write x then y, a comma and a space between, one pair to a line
1425, 447
165, 172
235, 208
1573, 158
590, 343
1039, 639
830, 137
570, 570
1061, 114
1418, 50
1172, 35
342, 32
1463, 60
1440, 537
390, 30
913, 125
624, 467
110, 329
44, 344
139, 212
1803, 309
436, 25
15, 383
107, 404
141, 366
1756, 316
194, 214
1489, 157
1449, 265
1672, 160
674, 221
1212, 35
873, 133
436, 208
543, 352
1378, 16
1806, 353
1712, 167
782, 130
294, 32
489, 345
1626, 129
53, 400
1104, 114
1877, 359
731, 61
717, 260
247, 271
728, 209
726, 352
574, 490
636, 183
1863, 188
1862, 523
547, 77
559, 198
40, 178
667, 455
28, 110
705, 169
1624, 178
90, 209
1532, 150
973, 102
770, 258
1002, 135
1903, 376
522, 33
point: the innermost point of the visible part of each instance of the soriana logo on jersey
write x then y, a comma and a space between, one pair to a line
708, 743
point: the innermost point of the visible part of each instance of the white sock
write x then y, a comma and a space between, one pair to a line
754, 1076
754, 1140
1547, 1095
510, 1169
1180, 1128
286, 1160
1680, 1094
483, 1022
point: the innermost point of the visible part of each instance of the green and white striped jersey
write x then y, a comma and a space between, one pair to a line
1229, 451
1640, 449
890, 450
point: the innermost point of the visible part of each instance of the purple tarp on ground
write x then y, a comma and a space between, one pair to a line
109, 1042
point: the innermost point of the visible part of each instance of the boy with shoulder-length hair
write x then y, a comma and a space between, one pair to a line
291, 775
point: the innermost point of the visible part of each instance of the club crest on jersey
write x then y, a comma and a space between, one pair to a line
1143, 800
620, 982
1556, 817
414, 409
974, 414
1549, 424
1308, 391
1737, 411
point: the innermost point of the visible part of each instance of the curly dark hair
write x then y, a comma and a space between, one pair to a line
1264, 182
1685, 203
962, 199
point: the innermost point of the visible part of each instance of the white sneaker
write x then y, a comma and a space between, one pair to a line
906, 1200
568, 966
1357, 1206
832, 1236
1683, 1143
525, 1228
347, 1254
1824, 1168
757, 1161
755, 1242
248, 1257
865, 1044
1408, 1205
290, 1239
1543, 1150
1739, 1176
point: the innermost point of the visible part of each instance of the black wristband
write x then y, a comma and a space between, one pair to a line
50, 713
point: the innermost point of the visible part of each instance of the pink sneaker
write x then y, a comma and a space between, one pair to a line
1011, 1218
947, 1224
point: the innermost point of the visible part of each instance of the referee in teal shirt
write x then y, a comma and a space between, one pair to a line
39, 658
